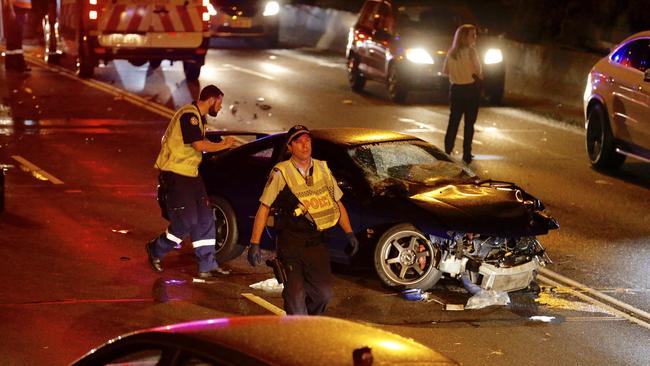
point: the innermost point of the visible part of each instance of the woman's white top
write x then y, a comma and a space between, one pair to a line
460, 70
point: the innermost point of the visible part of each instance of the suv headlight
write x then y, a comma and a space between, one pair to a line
493, 56
418, 56
271, 8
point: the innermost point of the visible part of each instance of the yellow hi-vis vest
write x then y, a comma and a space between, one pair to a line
176, 156
317, 199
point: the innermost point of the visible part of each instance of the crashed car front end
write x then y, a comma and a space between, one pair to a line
492, 238
446, 221
494, 263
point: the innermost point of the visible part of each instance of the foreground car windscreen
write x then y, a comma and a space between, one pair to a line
410, 161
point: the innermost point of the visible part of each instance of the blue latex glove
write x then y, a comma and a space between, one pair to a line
254, 254
353, 244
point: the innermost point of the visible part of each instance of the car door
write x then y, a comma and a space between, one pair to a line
239, 177
348, 181
363, 35
379, 43
630, 107
638, 92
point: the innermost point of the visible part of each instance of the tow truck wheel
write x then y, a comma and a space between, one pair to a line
85, 62
192, 70
405, 258
227, 235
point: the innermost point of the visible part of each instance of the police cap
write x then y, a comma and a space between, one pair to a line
295, 131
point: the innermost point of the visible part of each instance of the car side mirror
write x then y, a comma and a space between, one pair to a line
646, 76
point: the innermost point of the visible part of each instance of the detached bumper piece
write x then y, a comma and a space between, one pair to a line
508, 279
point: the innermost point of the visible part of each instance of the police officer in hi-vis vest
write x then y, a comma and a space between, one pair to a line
307, 202
15, 14
187, 204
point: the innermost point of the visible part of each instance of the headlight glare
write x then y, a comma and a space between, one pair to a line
418, 56
271, 8
211, 10
493, 56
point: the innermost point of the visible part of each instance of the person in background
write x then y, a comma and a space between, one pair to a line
307, 201
186, 199
463, 67
15, 15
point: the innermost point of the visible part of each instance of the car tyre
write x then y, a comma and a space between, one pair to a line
495, 95
85, 62
397, 92
398, 260
601, 147
226, 232
192, 70
355, 78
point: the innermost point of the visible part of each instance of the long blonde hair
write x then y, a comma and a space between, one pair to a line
461, 39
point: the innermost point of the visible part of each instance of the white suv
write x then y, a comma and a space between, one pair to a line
617, 104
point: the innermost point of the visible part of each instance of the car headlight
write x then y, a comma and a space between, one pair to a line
418, 56
271, 8
493, 56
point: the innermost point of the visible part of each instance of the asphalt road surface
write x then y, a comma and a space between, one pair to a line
80, 204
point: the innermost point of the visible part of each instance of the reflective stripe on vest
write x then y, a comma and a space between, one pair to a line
23, 4
317, 199
176, 156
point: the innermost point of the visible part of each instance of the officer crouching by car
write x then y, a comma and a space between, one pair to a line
307, 202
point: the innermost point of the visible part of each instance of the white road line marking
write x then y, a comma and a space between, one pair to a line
263, 303
591, 300
35, 170
310, 59
251, 72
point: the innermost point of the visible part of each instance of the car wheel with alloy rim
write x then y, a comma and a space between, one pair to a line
226, 233
405, 258
601, 147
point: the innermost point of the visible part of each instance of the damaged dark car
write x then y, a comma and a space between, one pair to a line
418, 214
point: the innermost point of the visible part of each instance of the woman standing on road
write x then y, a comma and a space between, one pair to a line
463, 67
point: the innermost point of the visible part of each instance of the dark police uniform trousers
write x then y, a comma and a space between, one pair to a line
305, 257
189, 213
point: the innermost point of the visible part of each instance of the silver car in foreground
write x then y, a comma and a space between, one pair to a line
617, 104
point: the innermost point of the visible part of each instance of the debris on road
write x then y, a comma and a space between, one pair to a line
270, 285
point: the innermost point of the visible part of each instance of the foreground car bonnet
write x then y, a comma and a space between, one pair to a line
280, 340
485, 209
